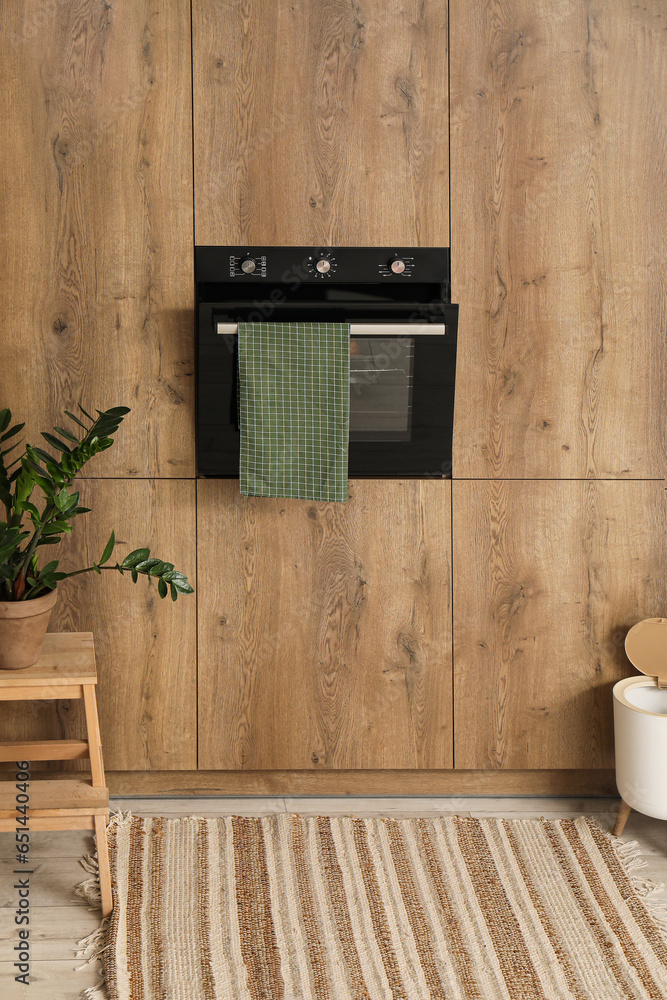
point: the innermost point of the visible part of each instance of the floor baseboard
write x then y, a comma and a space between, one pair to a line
589, 783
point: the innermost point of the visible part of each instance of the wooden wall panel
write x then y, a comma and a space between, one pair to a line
548, 578
325, 631
559, 213
146, 647
96, 252
321, 122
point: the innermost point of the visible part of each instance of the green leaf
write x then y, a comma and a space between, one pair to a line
32, 467
66, 434
146, 564
135, 557
76, 420
55, 527
61, 499
86, 414
11, 432
183, 588
116, 411
56, 474
97, 569
8, 451
30, 464
72, 501
49, 541
5, 419
162, 588
49, 568
56, 442
135, 575
44, 455
25, 505
174, 592
173, 576
32, 456
24, 485
46, 484
106, 555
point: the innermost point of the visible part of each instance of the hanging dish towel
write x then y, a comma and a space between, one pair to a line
294, 409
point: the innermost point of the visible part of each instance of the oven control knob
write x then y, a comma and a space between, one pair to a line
322, 264
397, 265
248, 265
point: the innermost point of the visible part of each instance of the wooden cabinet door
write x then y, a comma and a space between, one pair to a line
146, 647
325, 629
559, 214
548, 578
321, 123
96, 255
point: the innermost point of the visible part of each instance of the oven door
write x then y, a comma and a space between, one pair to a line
401, 401
401, 404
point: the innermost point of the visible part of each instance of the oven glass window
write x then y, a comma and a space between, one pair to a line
381, 388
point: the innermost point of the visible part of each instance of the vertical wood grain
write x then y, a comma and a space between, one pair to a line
559, 213
548, 579
324, 631
96, 250
146, 647
321, 122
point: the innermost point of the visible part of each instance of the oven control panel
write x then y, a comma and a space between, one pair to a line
351, 265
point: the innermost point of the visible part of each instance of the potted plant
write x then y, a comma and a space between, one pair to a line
40, 506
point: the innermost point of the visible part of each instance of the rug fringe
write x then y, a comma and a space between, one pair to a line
89, 889
629, 854
97, 992
93, 946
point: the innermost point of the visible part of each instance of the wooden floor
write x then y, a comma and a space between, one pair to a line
59, 919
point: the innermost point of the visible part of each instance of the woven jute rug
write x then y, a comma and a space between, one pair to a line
293, 908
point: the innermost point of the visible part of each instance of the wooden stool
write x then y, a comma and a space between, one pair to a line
65, 669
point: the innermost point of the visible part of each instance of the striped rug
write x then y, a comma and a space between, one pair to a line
293, 908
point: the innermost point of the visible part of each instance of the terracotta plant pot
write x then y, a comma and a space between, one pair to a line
22, 630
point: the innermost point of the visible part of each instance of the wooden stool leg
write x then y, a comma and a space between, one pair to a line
94, 739
624, 811
103, 864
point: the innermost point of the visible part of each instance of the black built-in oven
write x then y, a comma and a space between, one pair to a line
402, 346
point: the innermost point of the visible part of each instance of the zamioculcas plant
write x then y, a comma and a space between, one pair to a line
40, 505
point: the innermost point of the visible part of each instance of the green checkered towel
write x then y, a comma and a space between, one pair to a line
294, 409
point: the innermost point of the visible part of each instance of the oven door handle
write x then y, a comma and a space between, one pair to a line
367, 329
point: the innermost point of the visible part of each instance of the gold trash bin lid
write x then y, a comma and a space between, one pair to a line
646, 648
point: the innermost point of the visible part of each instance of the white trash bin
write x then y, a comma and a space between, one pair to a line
640, 724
